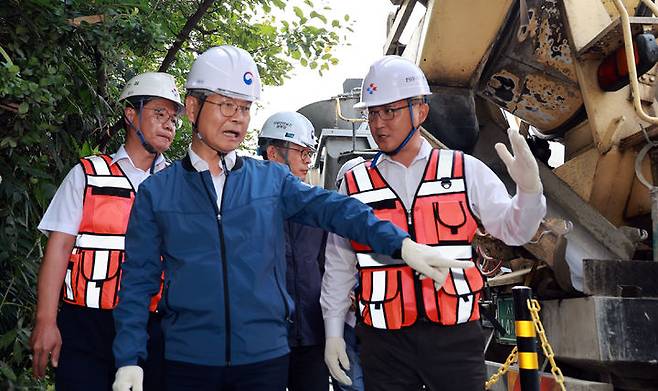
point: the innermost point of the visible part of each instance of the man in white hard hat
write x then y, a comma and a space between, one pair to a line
413, 331
85, 223
289, 138
217, 220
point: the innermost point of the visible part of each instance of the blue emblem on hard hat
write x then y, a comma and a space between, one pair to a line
248, 78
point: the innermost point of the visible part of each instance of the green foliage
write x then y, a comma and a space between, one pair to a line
60, 78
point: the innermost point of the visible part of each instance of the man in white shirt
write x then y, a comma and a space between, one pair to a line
413, 331
85, 224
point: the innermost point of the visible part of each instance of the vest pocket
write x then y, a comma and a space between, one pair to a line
69, 293
382, 298
456, 301
449, 214
100, 270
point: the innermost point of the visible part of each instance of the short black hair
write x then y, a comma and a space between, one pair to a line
263, 143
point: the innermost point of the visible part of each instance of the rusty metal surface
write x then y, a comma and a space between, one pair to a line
535, 79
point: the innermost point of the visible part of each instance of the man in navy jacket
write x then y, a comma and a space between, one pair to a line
214, 222
288, 137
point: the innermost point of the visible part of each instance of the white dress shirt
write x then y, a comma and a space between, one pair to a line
513, 220
64, 213
217, 180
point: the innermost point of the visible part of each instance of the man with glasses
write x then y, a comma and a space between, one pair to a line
416, 331
217, 220
85, 223
289, 138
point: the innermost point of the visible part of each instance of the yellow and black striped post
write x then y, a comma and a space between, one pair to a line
526, 339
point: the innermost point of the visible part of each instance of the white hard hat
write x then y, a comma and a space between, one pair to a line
289, 126
225, 70
159, 84
390, 79
348, 165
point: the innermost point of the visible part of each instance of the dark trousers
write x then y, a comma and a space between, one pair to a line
443, 358
269, 375
86, 361
307, 371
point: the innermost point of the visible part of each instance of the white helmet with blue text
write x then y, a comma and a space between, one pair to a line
226, 70
288, 126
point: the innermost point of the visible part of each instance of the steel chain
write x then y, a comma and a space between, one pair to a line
511, 359
534, 307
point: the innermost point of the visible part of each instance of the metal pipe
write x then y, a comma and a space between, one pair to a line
526, 339
630, 59
340, 114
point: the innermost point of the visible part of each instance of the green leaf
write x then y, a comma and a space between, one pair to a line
326, 56
347, 18
279, 4
23, 108
296, 54
309, 3
314, 64
7, 372
335, 23
8, 338
298, 11
304, 62
321, 17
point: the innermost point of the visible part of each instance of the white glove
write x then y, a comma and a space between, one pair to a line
522, 167
128, 377
335, 355
429, 262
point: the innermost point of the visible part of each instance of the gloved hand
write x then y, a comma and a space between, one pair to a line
127, 377
522, 167
335, 355
429, 261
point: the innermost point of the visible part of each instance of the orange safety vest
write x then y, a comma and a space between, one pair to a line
391, 296
94, 270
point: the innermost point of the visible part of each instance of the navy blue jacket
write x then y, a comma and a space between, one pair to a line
225, 300
305, 259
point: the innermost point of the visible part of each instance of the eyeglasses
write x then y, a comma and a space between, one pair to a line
162, 116
305, 153
387, 113
228, 109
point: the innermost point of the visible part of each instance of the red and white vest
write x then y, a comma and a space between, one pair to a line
94, 270
390, 294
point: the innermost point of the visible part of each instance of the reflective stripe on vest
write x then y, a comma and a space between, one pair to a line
440, 217
94, 271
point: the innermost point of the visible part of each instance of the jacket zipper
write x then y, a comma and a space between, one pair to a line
420, 305
227, 309
222, 247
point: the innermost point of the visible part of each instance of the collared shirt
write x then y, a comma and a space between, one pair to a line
64, 213
217, 180
513, 220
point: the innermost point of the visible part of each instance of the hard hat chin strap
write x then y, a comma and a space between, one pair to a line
404, 143
148, 147
195, 130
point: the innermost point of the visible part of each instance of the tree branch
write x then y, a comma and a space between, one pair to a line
184, 34
168, 60
101, 75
